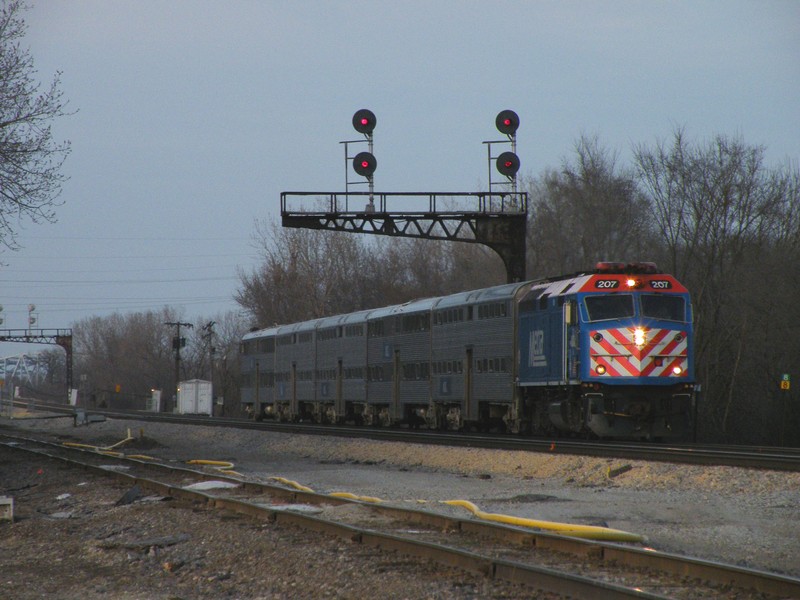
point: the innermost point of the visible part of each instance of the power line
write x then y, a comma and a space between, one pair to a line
142, 270
128, 256
118, 281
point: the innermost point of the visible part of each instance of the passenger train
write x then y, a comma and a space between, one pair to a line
605, 353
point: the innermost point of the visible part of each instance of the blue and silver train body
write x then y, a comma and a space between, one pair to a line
608, 353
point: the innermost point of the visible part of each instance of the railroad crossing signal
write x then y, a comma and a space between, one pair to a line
785, 382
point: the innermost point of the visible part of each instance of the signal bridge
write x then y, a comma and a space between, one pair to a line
495, 219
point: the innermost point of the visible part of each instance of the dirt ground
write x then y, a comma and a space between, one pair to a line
71, 541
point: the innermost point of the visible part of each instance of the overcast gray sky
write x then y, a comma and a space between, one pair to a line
193, 116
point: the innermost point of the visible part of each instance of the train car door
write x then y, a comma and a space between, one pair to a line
256, 399
339, 406
293, 411
571, 341
396, 413
468, 384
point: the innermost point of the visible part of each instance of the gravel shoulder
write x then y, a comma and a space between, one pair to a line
741, 516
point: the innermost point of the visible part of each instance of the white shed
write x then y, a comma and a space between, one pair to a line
195, 397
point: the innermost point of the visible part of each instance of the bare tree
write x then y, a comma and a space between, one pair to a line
30, 160
126, 355
730, 225
304, 274
589, 210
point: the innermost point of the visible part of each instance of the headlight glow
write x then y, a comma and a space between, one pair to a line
639, 337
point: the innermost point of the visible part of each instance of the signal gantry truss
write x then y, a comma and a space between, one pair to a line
497, 220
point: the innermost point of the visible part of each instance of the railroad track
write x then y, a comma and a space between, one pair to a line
761, 457
558, 564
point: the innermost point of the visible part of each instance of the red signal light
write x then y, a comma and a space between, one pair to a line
507, 122
508, 164
364, 121
365, 164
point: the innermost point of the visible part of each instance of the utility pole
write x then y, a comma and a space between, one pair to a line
208, 337
178, 342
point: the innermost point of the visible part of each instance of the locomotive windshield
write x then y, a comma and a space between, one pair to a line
658, 306
612, 306
621, 306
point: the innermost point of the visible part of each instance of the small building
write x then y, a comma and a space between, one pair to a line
195, 397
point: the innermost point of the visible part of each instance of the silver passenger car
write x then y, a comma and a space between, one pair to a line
447, 361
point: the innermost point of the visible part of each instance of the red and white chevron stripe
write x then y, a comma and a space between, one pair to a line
614, 349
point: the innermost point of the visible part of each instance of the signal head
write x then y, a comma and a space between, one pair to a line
364, 121
365, 164
507, 122
508, 164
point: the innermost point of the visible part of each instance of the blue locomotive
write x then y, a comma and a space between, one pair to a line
606, 353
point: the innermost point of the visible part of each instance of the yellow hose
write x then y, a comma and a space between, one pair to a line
213, 463
77, 445
101, 449
350, 496
591, 532
293, 484
581, 531
110, 453
223, 466
119, 443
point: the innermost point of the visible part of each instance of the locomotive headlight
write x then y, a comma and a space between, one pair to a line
633, 284
677, 370
601, 370
639, 337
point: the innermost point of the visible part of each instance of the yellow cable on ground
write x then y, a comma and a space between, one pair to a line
591, 532
350, 496
101, 449
119, 443
293, 484
213, 463
231, 473
77, 445
223, 466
